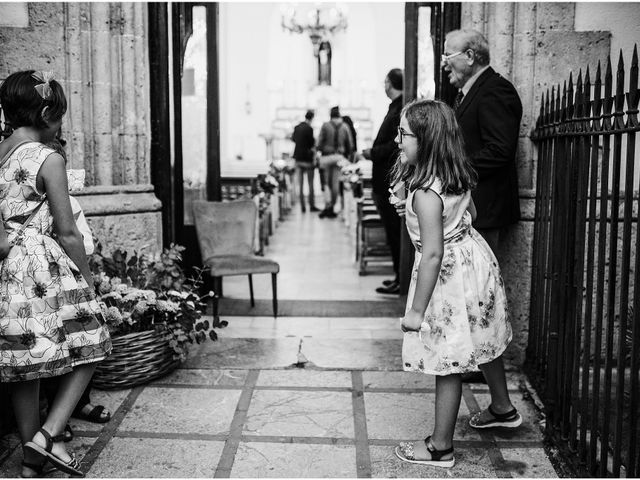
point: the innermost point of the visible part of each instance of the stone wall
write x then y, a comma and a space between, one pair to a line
98, 52
535, 46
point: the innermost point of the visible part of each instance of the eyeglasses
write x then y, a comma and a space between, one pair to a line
403, 133
446, 58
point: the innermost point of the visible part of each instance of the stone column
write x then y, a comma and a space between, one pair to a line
534, 46
106, 62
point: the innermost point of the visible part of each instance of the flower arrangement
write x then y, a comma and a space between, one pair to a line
151, 292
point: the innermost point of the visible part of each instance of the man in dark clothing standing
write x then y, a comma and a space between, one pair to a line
489, 111
383, 153
305, 158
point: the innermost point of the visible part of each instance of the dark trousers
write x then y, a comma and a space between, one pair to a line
391, 222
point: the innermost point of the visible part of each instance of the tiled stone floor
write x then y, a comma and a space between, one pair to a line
238, 408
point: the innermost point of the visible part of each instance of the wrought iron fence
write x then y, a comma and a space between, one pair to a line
584, 336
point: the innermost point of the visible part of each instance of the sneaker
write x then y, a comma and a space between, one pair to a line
314, 209
386, 283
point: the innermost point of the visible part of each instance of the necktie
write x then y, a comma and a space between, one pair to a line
458, 100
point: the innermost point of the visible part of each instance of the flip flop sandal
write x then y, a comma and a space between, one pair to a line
510, 419
405, 452
94, 416
72, 467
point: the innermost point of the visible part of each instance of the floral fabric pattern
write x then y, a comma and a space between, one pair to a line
466, 323
50, 321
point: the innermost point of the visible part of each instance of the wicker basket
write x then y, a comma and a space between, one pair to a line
136, 358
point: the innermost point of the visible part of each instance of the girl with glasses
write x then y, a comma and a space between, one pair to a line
456, 315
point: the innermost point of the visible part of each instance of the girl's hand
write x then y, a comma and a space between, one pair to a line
411, 321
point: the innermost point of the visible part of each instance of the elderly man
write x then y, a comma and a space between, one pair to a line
489, 111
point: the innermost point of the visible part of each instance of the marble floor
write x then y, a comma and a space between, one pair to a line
302, 397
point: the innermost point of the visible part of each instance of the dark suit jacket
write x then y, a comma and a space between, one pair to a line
489, 117
385, 150
303, 138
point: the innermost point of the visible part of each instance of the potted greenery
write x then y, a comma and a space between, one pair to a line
153, 312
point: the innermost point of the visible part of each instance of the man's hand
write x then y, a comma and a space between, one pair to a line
366, 153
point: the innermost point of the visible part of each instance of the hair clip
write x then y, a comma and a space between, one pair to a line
44, 88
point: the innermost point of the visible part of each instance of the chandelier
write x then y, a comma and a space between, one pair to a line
321, 22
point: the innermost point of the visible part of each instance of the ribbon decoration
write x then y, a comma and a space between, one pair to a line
44, 88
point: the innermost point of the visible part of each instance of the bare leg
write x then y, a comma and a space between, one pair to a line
25, 398
448, 395
497, 382
72, 386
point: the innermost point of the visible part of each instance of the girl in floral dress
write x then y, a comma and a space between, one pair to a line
50, 322
456, 316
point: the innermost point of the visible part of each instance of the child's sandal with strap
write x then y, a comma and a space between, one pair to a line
72, 467
405, 452
510, 419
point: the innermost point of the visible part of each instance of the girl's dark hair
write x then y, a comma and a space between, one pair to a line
441, 152
22, 105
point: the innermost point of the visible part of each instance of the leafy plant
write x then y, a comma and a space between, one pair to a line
151, 291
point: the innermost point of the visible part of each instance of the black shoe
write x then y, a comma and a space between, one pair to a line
331, 214
394, 288
304, 210
386, 283
314, 209
323, 213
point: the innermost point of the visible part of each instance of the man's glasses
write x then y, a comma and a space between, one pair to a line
446, 58
403, 133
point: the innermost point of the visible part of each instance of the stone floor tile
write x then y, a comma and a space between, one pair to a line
354, 354
404, 380
181, 410
197, 376
304, 378
529, 430
245, 353
527, 463
111, 399
286, 460
12, 467
300, 414
470, 463
408, 416
157, 458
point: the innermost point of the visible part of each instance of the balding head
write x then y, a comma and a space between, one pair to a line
472, 40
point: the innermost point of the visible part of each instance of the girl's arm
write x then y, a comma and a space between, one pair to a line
4, 242
52, 179
472, 209
428, 207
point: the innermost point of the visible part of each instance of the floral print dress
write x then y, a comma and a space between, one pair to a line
50, 321
466, 322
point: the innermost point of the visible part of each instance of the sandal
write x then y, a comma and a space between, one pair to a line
94, 416
72, 467
510, 419
405, 452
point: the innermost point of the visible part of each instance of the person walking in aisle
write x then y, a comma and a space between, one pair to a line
304, 155
456, 318
335, 146
383, 154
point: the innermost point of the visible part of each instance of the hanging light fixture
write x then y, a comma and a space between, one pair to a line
322, 21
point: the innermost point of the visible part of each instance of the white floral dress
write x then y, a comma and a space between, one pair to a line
50, 321
466, 322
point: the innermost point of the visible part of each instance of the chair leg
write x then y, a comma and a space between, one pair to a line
217, 286
253, 303
274, 288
